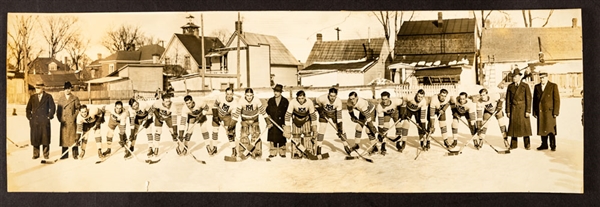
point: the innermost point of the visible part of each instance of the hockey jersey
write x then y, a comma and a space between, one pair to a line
330, 109
387, 109
225, 108
118, 117
163, 112
435, 104
144, 110
301, 113
487, 105
363, 106
93, 115
197, 111
249, 109
411, 104
463, 108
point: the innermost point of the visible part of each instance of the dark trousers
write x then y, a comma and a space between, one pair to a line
65, 151
46, 151
552, 141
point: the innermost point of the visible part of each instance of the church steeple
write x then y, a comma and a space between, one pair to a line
190, 28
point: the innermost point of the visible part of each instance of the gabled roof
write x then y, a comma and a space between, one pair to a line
427, 27
429, 59
343, 50
280, 55
193, 45
521, 44
143, 53
54, 80
40, 65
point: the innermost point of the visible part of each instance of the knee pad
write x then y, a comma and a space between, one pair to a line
454, 124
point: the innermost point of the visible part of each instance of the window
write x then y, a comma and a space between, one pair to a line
186, 62
111, 68
52, 66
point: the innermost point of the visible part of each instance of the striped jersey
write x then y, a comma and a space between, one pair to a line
197, 111
411, 104
387, 109
249, 109
463, 108
118, 117
143, 110
330, 109
225, 108
301, 112
165, 112
93, 115
435, 104
363, 106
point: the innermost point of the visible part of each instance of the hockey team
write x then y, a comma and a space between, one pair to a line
305, 125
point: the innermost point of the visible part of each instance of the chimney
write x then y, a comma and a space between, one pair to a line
65, 62
574, 23
319, 37
99, 56
155, 57
440, 20
238, 26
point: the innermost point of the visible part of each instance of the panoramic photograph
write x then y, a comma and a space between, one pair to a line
296, 101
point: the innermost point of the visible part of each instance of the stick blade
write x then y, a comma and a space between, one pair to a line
369, 160
48, 161
504, 152
152, 161
350, 158
24, 146
231, 159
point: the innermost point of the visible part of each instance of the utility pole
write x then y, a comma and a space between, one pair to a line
237, 30
202, 46
338, 32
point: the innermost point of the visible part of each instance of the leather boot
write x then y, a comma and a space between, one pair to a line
544, 145
513, 143
65, 153
36, 152
526, 143
75, 152
552, 142
46, 150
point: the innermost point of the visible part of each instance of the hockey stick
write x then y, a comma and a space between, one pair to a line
136, 157
427, 134
150, 161
16, 145
467, 143
190, 152
106, 158
242, 156
304, 151
64, 153
353, 149
499, 152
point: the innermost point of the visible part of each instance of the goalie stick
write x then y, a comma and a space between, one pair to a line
16, 145
302, 149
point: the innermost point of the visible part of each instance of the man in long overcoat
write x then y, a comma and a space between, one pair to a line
546, 105
518, 110
40, 110
276, 108
66, 112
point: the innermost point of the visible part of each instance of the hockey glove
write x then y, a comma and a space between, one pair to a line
340, 128
215, 116
147, 123
473, 129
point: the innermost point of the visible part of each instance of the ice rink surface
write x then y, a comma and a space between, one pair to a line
473, 171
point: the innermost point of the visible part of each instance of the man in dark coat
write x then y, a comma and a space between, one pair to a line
518, 110
66, 112
276, 108
40, 110
546, 105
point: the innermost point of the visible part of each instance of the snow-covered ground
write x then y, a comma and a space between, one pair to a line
473, 171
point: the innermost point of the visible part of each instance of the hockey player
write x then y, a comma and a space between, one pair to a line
330, 107
222, 111
164, 112
88, 122
388, 109
118, 117
364, 119
486, 106
301, 120
462, 106
140, 113
248, 109
192, 113
414, 105
437, 112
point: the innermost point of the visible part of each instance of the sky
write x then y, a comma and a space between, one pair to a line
296, 29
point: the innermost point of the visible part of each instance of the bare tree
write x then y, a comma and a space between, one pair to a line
529, 18
58, 31
124, 38
221, 34
389, 19
76, 49
20, 45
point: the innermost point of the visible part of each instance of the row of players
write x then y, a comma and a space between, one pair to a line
302, 125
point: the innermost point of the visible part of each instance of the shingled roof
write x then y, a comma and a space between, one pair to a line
193, 45
343, 50
427, 27
143, 53
521, 44
280, 55
40, 65
54, 80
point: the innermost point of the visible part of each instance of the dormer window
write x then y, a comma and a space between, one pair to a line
52, 66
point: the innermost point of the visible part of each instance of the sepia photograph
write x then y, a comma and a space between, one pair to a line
448, 101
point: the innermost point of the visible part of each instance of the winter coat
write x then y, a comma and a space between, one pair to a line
546, 103
518, 103
277, 113
39, 113
66, 113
